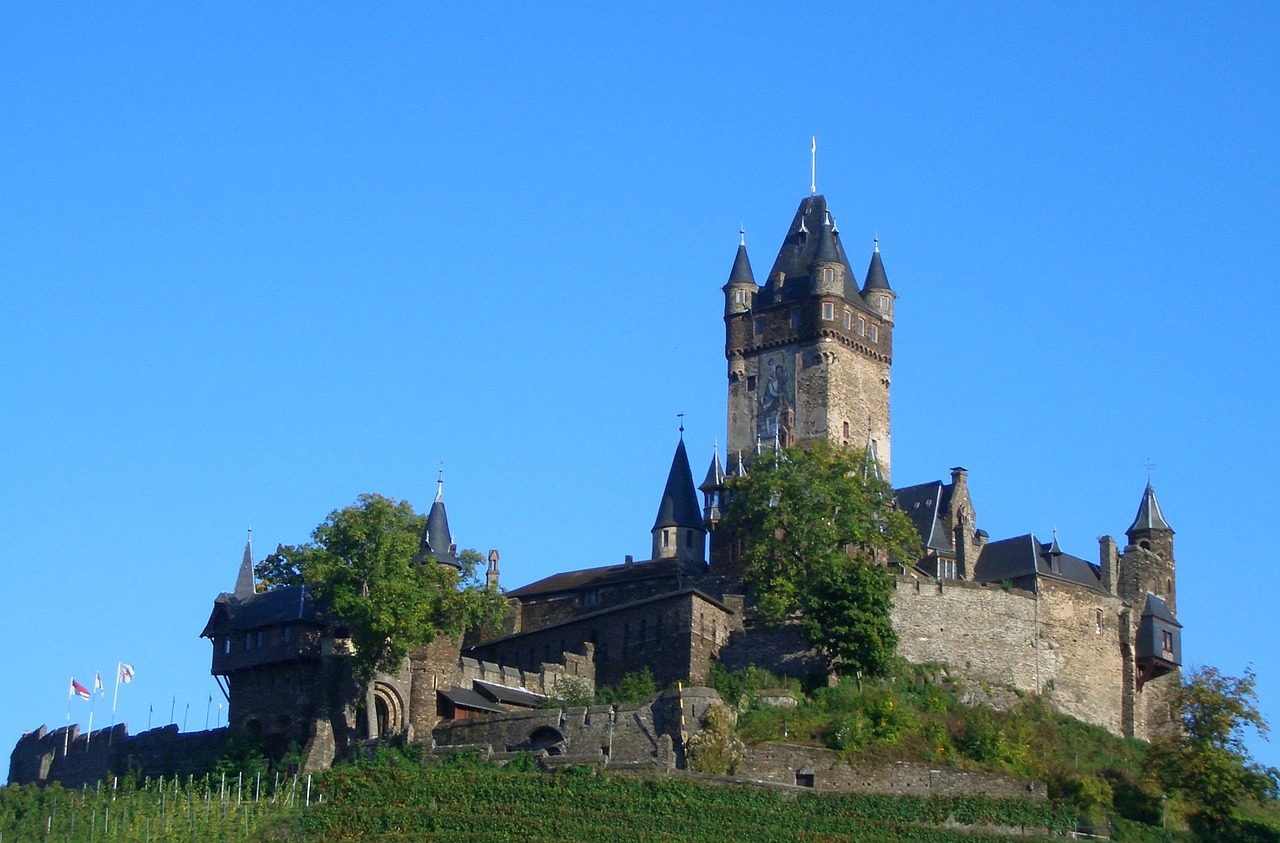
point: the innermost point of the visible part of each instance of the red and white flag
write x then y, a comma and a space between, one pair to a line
126, 673
78, 690
97, 684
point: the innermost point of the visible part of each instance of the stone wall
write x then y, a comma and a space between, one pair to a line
74, 759
778, 763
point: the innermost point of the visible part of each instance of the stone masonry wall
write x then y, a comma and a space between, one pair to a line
779, 763
1080, 637
74, 759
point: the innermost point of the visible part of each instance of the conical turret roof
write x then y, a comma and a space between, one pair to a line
244, 579
741, 272
826, 251
1149, 516
437, 542
808, 233
679, 506
876, 279
715, 475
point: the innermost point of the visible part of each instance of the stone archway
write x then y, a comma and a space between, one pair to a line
388, 711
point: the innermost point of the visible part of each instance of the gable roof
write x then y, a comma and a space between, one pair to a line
1026, 556
925, 504
597, 577
1155, 607
270, 608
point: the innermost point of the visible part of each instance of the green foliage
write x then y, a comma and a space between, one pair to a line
716, 748
738, 688
633, 687
361, 562
1207, 761
245, 756
570, 691
818, 531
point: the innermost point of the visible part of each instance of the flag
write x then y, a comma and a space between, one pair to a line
78, 690
97, 684
126, 673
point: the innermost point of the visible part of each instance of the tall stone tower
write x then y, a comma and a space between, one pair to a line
809, 352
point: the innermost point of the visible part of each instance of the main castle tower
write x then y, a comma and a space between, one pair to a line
809, 352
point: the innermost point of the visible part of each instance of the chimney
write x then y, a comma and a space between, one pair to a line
491, 576
1107, 559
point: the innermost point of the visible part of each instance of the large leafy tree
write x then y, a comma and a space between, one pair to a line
361, 562
818, 531
1206, 758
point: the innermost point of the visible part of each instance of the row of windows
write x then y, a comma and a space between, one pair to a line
828, 314
257, 640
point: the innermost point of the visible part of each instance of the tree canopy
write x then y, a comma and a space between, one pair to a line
818, 528
361, 563
1206, 759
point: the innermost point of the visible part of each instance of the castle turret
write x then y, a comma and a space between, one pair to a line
244, 579
437, 543
740, 290
827, 269
1152, 570
712, 489
678, 532
876, 291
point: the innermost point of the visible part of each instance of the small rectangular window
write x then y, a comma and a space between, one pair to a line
288, 634
848, 319
759, 326
828, 311
875, 334
1167, 644
846, 430
248, 640
739, 296
862, 327
884, 304
751, 383
795, 319
226, 645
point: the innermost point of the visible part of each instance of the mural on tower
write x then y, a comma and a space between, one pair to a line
777, 391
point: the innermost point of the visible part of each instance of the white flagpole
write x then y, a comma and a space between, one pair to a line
115, 698
88, 736
66, 737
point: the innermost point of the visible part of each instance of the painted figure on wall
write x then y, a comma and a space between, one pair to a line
776, 416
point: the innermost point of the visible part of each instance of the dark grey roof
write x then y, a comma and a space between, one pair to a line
924, 505
1149, 515
270, 608
1025, 556
741, 272
244, 579
437, 542
799, 250
465, 698
597, 577
1155, 607
876, 279
679, 505
826, 251
509, 696
715, 475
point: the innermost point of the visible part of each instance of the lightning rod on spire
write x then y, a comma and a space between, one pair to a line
813, 164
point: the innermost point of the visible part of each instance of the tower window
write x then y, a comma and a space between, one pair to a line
688, 538
846, 430
875, 334
828, 311
751, 383
666, 539
226, 645
759, 326
862, 327
848, 319
1167, 644
884, 304
1097, 621
828, 274
795, 318
739, 296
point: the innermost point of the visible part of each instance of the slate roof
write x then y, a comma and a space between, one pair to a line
741, 272
800, 248
270, 608
1026, 556
924, 505
437, 542
465, 698
876, 279
1149, 516
508, 696
715, 475
244, 579
679, 505
1154, 607
597, 577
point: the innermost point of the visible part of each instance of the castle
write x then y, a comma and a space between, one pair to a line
809, 356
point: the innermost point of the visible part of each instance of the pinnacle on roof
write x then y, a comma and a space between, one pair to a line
244, 579
715, 474
741, 272
876, 279
679, 506
826, 251
1149, 516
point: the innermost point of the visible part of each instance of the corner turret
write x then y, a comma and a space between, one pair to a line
1147, 566
678, 532
740, 290
712, 489
437, 544
876, 291
827, 269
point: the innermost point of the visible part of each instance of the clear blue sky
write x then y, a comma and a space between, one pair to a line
257, 259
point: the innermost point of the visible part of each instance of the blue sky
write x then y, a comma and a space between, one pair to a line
258, 259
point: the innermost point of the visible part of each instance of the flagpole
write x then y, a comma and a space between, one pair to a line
66, 736
88, 736
115, 698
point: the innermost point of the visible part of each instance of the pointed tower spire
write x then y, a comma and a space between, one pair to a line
712, 489
244, 579
876, 278
437, 542
1149, 516
678, 531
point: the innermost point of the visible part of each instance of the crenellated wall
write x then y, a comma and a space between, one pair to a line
74, 759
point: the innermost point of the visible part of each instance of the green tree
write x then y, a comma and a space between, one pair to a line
1207, 760
818, 530
361, 563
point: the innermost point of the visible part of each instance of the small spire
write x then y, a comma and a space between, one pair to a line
440, 484
681, 417
245, 587
813, 165
834, 228
742, 234
804, 229
876, 243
